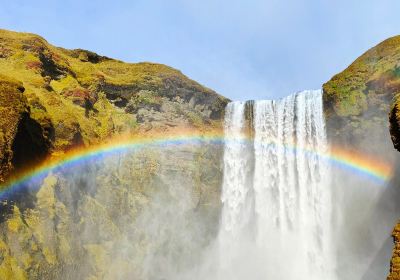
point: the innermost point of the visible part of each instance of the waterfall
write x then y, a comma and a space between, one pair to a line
276, 195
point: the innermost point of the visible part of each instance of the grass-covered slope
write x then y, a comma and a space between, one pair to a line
357, 100
369, 82
76, 97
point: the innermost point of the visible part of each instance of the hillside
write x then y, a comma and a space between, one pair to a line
357, 100
74, 222
358, 105
370, 82
66, 98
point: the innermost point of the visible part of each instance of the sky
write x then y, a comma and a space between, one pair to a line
248, 49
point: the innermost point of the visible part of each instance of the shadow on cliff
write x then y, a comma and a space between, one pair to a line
31, 145
384, 215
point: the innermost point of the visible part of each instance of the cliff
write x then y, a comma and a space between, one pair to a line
395, 263
357, 100
394, 118
370, 82
96, 221
66, 98
357, 104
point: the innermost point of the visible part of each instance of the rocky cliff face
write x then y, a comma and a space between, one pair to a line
357, 104
133, 215
357, 100
76, 97
395, 133
96, 221
395, 262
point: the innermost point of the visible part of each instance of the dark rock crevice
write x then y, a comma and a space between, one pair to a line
394, 127
50, 68
29, 146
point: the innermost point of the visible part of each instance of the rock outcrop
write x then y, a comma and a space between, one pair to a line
357, 104
133, 215
395, 262
395, 133
76, 97
97, 221
357, 100
11, 118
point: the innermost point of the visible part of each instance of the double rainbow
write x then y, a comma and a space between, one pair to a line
355, 162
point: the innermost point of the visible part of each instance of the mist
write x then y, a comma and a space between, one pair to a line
243, 210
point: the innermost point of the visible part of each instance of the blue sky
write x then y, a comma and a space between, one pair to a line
249, 49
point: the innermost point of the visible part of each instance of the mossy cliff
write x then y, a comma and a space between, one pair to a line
395, 263
394, 118
131, 216
357, 104
76, 97
370, 82
97, 222
357, 100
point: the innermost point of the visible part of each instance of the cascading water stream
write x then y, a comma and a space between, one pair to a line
276, 191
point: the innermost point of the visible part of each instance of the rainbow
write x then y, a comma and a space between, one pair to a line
375, 169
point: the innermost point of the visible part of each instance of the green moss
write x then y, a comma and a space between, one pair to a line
144, 98
368, 80
194, 118
13, 106
61, 81
351, 104
148, 97
45, 241
63, 84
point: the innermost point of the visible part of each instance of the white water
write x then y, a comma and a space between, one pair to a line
276, 217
